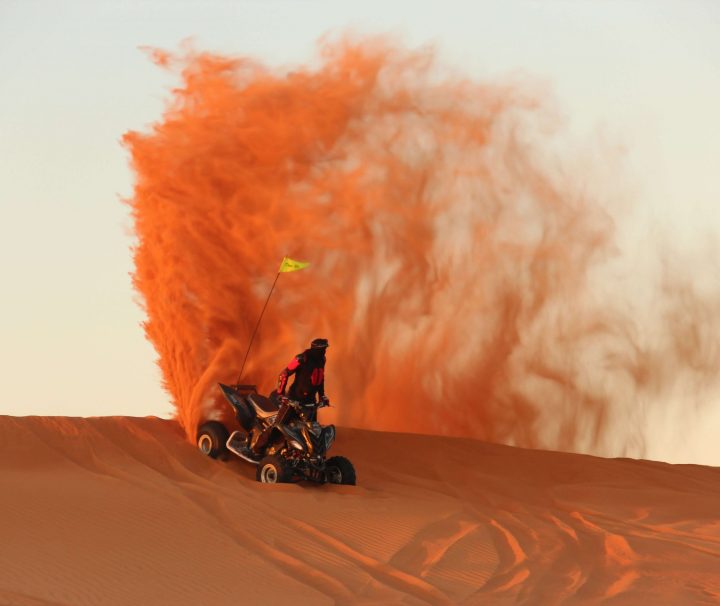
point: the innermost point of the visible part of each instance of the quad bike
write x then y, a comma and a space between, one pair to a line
295, 444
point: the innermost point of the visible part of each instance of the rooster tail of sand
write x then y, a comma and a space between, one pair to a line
453, 256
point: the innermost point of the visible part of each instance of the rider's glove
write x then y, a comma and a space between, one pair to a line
324, 401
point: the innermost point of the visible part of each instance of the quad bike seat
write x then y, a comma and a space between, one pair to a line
263, 406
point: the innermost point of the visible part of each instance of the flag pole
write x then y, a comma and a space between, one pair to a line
262, 313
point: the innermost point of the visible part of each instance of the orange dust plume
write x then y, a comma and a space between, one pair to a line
451, 262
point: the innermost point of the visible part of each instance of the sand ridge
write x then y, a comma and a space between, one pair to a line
120, 510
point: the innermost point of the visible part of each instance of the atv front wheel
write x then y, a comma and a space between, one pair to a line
211, 439
339, 470
273, 470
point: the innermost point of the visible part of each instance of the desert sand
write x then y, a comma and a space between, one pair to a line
125, 511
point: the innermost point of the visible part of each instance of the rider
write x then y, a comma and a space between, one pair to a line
308, 385
309, 370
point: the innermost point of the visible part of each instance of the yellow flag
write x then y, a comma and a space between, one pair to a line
289, 265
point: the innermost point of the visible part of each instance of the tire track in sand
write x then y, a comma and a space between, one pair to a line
384, 572
431, 543
614, 570
286, 563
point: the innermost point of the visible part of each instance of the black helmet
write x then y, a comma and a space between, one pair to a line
319, 344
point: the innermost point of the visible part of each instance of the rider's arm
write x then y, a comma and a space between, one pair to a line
322, 398
286, 374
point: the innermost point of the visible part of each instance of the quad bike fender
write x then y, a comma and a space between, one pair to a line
236, 396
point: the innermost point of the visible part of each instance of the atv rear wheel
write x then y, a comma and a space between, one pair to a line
339, 470
211, 439
273, 470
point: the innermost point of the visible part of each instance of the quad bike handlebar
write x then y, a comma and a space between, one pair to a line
295, 404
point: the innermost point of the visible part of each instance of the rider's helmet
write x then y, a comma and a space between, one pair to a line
319, 344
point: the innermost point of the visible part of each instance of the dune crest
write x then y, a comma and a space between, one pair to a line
124, 511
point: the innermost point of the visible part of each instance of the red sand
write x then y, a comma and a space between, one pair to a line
125, 511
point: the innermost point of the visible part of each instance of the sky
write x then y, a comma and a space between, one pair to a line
640, 77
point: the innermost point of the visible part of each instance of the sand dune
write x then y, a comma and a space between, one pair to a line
124, 511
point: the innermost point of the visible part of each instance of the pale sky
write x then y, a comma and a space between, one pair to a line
644, 76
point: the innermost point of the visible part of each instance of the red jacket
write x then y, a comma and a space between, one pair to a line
309, 370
